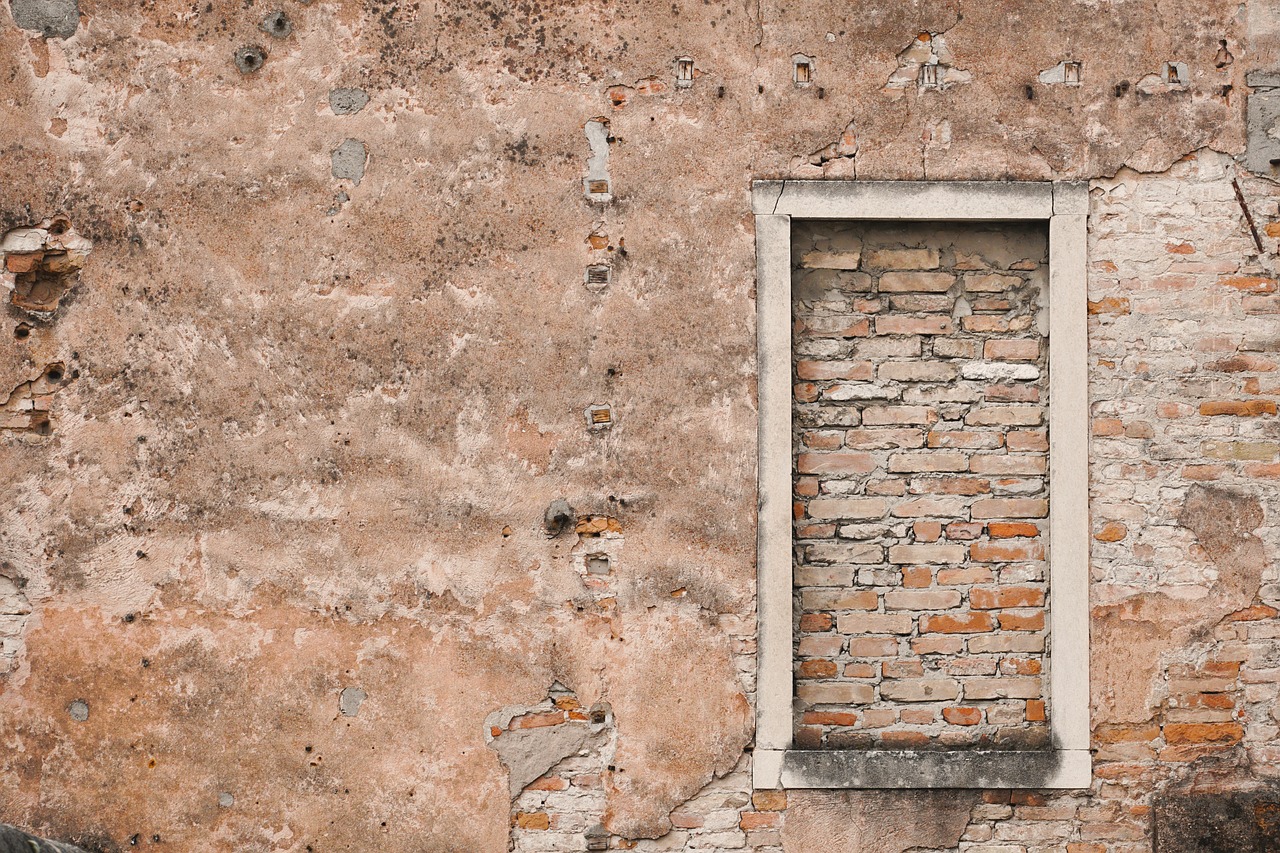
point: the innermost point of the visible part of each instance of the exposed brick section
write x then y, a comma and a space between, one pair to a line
921, 485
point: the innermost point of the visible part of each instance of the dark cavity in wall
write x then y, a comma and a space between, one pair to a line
1228, 822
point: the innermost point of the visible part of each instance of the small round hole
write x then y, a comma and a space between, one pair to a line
54, 375
44, 428
22, 332
59, 227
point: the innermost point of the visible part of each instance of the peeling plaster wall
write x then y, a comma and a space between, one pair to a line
323, 363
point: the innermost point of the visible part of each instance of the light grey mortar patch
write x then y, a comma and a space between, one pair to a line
597, 181
347, 102
226, 800
529, 753
49, 18
79, 710
349, 159
349, 701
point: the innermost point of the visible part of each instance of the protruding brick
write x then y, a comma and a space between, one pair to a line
874, 623
964, 623
836, 462
962, 716
922, 282
1010, 508
929, 461
899, 554
898, 415
827, 370
921, 599
860, 508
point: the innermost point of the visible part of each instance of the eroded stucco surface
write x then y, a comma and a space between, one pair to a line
306, 423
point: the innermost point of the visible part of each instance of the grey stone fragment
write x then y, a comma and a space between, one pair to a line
349, 159
14, 840
349, 701
79, 710
49, 18
346, 102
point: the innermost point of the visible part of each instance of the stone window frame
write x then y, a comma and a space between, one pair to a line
1064, 206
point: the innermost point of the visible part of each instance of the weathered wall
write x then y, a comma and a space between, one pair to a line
293, 426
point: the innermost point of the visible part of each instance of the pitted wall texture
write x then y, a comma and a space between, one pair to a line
288, 424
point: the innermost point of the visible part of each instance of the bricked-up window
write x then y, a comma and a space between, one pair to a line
923, 484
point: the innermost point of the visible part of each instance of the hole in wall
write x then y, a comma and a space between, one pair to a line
684, 71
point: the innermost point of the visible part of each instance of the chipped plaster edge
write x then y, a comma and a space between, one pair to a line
1064, 206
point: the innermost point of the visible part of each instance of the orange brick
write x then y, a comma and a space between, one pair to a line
828, 718
814, 622
927, 531
917, 577
1111, 531
817, 669
859, 670
805, 392
967, 575
1027, 798
903, 739
1249, 283
533, 820
1242, 408
688, 820
769, 801
1012, 507
1203, 472
898, 325
918, 716
840, 462
902, 669
824, 370
821, 439
1020, 666
967, 623
1018, 349
962, 716
873, 647
1203, 733
1008, 551
1035, 711
964, 530
1005, 596
1254, 613
936, 645
20, 262
1012, 529
1019, 441
1108, 426
548, 783
537, 721
1109, 305
1011, 621
758, 820
957, 485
